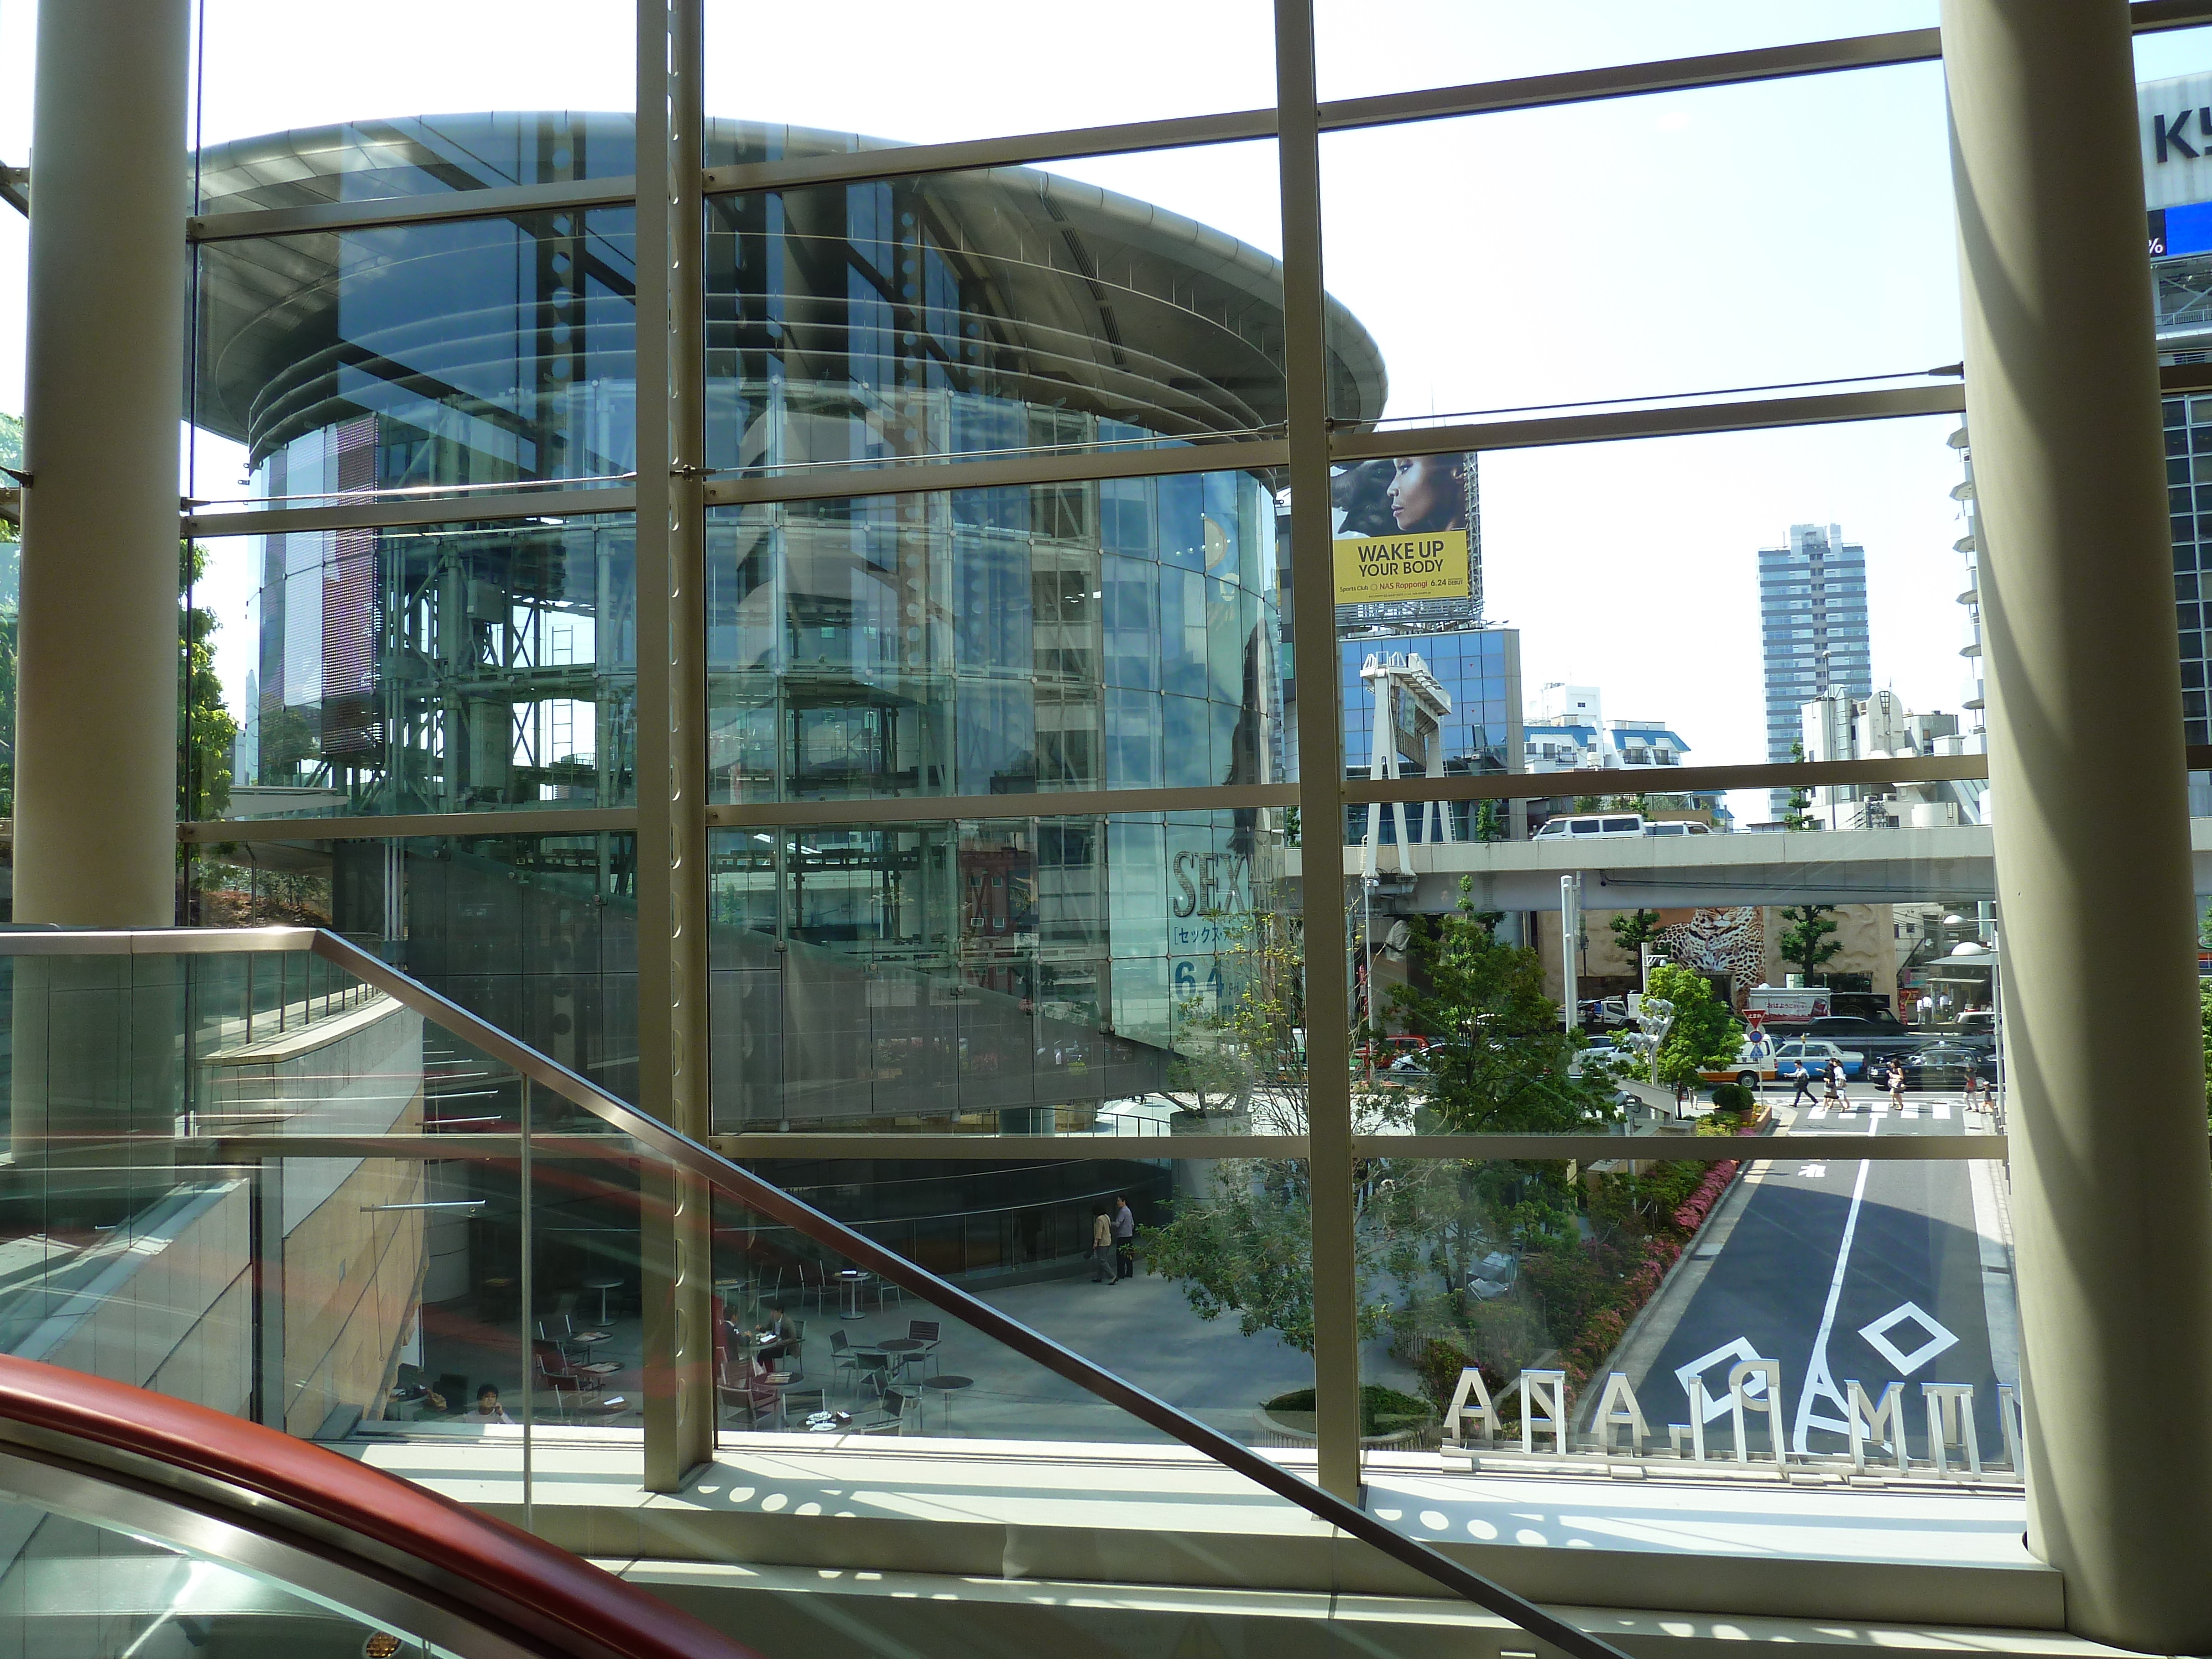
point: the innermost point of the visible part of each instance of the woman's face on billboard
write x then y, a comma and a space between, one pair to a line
1425, 493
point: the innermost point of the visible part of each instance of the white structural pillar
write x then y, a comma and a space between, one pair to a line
96, 676
2111, 1199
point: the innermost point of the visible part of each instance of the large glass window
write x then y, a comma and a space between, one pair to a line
978, 313
299, 104
1121, 633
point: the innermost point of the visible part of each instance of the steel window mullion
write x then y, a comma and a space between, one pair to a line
507, 506
1677, 780
1678, 420
243, 223
1009, 471
1320, 768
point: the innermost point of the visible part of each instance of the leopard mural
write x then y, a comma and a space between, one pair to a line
1729, 940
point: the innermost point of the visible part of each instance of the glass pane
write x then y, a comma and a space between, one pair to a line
969, 313
1408, 45
1008, 61
1709, 624
1019, 1235
1704, 227
1118, 635
441, 668
72, 1586
535, 933
1688, 1316
1857, 946
1124, 976
299, 104
461, 353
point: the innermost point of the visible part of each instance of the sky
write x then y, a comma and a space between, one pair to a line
1663, 245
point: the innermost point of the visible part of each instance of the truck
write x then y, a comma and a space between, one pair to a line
1794, 1007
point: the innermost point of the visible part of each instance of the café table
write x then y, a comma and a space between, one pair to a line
903, 1349
852, 1278
948, 1385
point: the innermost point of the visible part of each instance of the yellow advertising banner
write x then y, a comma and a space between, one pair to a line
1427, 565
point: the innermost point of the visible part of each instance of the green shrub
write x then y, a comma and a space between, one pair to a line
1732, 1097
1382, 1411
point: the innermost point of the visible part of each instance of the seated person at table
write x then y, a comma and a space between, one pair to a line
488, 1410
778, 1334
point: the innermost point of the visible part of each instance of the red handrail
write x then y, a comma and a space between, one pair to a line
541, 1595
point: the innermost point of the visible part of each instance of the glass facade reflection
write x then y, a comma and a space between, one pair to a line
1122, 634
1011, 973
1117, 634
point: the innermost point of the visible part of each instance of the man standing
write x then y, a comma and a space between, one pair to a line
1102, 1248
1125, 1238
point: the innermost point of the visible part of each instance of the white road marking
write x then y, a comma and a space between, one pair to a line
1877, 1336
1814, 1170
1912, 1109
1754, 1387
1818, 1382
1817, 1113
1942, 1110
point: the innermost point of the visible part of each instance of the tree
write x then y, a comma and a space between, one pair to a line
1805, 943
205, 729
2204, 1000
1798, 815
1489, 825
1634, 929
1502, 1058
1705, 1035
1247, 1249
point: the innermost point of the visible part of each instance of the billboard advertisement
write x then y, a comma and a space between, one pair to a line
1403, 529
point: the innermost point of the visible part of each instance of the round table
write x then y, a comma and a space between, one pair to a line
902, 1349
852, 1278
948, 1385
602, 1285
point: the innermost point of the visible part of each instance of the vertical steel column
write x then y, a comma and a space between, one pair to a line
96, 682
2104, 1068
1321, 759
672, 836
526, 1277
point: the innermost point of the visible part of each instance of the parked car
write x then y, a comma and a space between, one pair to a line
1815, 1054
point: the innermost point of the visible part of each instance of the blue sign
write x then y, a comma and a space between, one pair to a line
2176, 231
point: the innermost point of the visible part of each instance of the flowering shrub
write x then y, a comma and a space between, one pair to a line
1692, 1214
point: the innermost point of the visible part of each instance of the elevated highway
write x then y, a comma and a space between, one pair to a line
1843, 866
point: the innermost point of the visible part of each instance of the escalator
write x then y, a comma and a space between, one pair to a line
134, 1525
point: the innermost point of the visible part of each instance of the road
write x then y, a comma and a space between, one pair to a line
1879, 1270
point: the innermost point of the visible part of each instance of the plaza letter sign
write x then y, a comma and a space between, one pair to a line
1428, 564
2175, 122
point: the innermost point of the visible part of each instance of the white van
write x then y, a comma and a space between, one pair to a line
1687, 827
1586, 826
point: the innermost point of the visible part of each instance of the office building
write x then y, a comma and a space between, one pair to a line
1813, 631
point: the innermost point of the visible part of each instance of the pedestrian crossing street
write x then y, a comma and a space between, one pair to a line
1938, 1109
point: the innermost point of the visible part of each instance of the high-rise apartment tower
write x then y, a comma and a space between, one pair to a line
1813, 631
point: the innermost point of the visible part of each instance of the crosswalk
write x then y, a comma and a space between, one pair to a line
1940, 1110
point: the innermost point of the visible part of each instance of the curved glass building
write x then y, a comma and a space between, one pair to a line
985, 642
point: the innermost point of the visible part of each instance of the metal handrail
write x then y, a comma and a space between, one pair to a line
742, 1185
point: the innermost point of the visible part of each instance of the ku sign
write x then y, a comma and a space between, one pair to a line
1424, 565
2174, 121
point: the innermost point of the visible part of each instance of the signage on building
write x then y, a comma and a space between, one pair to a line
1429, 565
2174, 124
